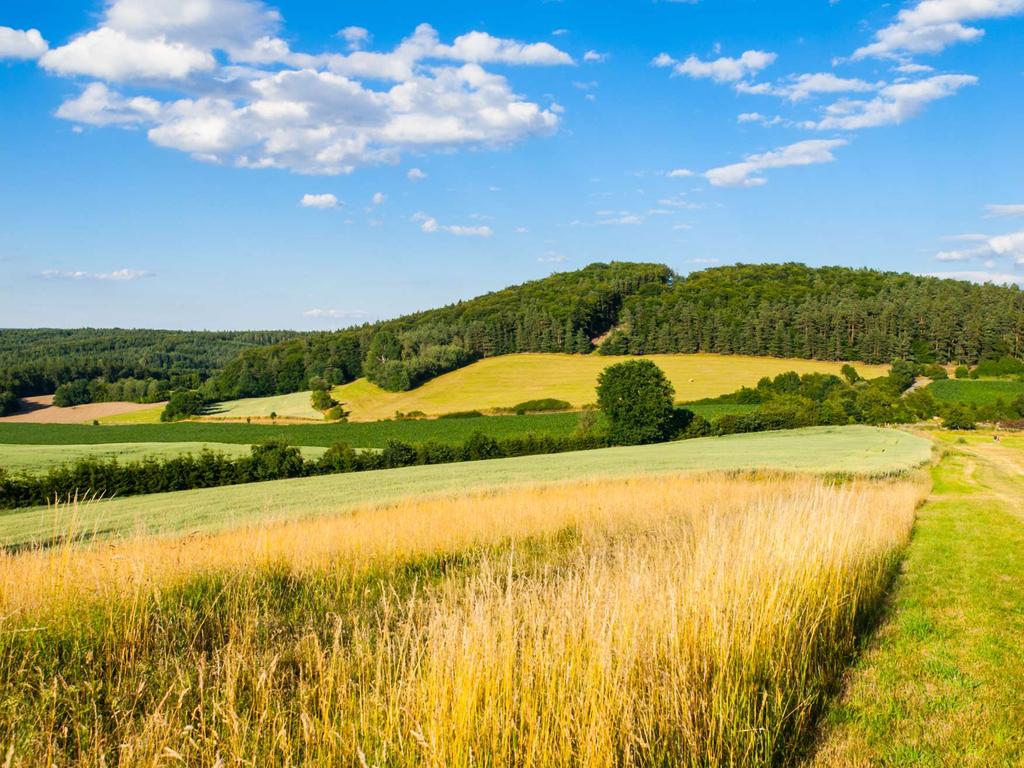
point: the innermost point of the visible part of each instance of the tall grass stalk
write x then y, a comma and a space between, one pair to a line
646, 621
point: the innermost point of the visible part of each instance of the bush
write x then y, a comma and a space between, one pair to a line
460, 415
850, 374
8, 402
321, 400
541, 406
336, 413
183, 404
962, 372
398, 454
958, 418
73, 393
275, 460
934, 372
637, 401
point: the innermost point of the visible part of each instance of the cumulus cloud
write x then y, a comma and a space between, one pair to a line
379, 198
721, 70
220, 83
893, 103
1016, 209
594, 57
749, 173
415, 174
932, 25
118, 275
1008, 245
800, 87
21, 43
430, 225
679, 173
323, 201
356, 37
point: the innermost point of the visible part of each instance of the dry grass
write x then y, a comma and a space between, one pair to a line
674, 620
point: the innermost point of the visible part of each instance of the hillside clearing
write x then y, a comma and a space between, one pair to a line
501, 382
41, 410
292, 406
853, 449
940, 684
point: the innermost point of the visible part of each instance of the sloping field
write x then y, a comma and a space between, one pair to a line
501, 382
39, 458
293, 406
976, 392
853, 449
41, 410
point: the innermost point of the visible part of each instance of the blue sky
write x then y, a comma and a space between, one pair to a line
240, 164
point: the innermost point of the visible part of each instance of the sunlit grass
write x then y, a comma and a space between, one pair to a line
673, 620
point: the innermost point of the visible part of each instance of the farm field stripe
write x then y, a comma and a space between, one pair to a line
853, 449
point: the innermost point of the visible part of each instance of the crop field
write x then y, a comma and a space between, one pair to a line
853, 449
976, 392
41, 410
39, 458
358, 435
674, 620
293, 406
501, 382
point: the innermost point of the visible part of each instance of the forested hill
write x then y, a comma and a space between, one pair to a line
828, 313
35, 361
561, 313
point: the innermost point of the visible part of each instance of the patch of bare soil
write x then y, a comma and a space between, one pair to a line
41, 410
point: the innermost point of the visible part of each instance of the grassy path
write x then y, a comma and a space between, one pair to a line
943, 681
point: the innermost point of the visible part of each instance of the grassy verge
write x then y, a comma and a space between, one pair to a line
941, 683
854, 449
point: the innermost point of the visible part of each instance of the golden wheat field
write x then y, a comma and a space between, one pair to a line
671, 620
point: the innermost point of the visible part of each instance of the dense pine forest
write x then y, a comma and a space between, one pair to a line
37, 361
781, 310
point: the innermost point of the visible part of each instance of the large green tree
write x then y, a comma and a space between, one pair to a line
636, 399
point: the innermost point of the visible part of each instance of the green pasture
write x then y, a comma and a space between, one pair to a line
976, 391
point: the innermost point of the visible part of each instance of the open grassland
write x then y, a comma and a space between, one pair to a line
941, 683
501, 382
293, 406
363, 435
39, 458
854, 449
148, 415
676, 620
976, 392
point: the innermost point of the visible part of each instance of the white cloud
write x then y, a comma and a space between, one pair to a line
800, 87
379, 198
118, 275
430, 225
750, 117
932, 25
749, 172
721, 70
223, 86
1016, 209
893, 104
551, 257
356, 37
623, 218
978, 276
679, 173
480, 48
111, 55
595, 57
335, 314
910, 68
323, 201
21, 43
415, 174
1009, 245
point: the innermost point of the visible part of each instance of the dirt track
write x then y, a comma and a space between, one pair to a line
41, 410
